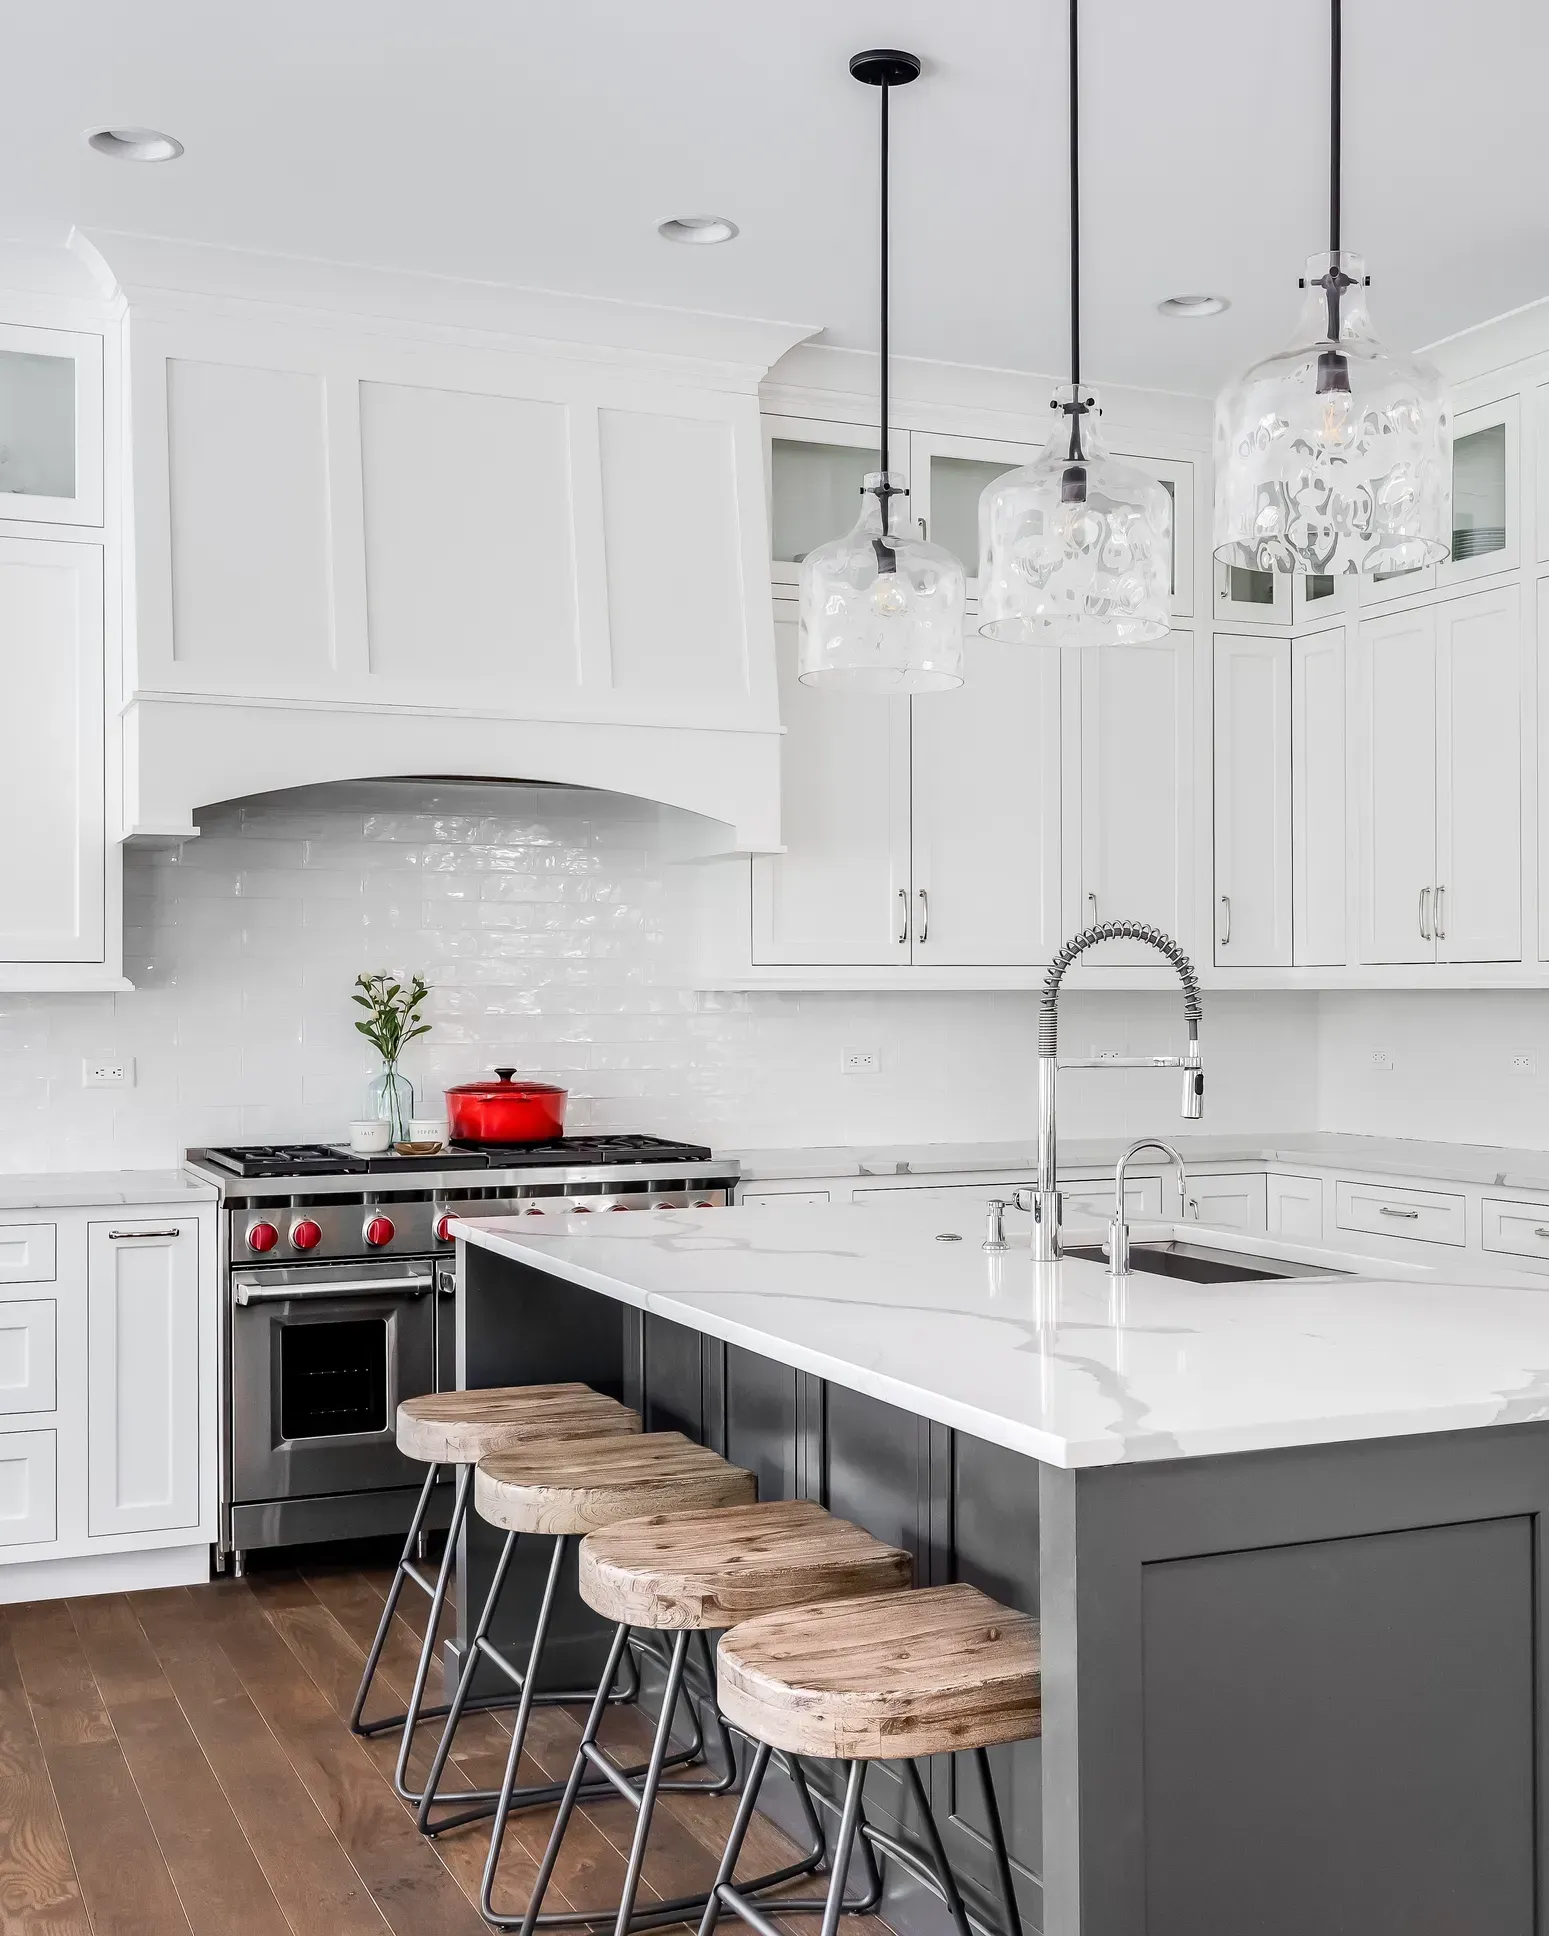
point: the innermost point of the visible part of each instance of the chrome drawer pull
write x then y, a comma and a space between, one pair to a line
1541, 1232
118, 1236
1387, 1210
251, 1293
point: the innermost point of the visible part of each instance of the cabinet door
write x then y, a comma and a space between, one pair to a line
813, 478
1486, 493
986, 794
51, 881
946, 477
142, 1375
1318, 799
1229, 1202
1295, 1208
1479, 777
1249, 597
1128, 799
1398, 786
1252, 748
840, 893
51, 406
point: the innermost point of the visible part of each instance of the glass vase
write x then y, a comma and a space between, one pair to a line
390, 1099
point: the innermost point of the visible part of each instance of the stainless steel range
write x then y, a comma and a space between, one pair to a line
339, 1285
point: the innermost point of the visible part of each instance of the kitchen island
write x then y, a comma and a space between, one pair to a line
1282, 1536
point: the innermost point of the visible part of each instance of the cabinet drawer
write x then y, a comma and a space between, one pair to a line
27, 1355
1230, 1202
782, 1196
1519, 1229
26, 1487
26, 1253
1436, 1216
1093, 1202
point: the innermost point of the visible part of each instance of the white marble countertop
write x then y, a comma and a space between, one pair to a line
1044, 1362
84, 1189
1495, 1166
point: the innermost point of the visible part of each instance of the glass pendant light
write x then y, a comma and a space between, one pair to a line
882, 609
1076, 547
1335, 455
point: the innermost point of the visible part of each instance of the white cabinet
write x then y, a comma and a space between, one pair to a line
1440, 793
1391, 1210
1252, 759
27, 1354
51, 407
143, 1355
28, 1488
920, 831
1093, 1202
1128, 791
1318, 798
53, 858
1294, 1207
1248, 597
1230, 1202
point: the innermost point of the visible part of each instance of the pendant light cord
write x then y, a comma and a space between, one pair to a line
883, 335
1336, 66
1076, 409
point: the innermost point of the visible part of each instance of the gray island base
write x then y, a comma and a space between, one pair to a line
1292, 1689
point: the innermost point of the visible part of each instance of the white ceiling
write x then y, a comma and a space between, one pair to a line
539, 144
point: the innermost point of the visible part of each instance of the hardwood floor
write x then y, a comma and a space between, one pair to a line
178, 1764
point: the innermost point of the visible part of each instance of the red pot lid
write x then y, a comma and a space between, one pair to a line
506, 1086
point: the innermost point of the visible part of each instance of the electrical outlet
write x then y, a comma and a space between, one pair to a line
108, 1072
1382, 1059
1524, 1062
858, 1062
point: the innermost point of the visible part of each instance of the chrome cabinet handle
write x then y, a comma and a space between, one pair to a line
250, 1292
1441, 913
1387, 1210
1425, 903
1091, 901
118, 1236
1226, 909
903, 916
924, 929
921, 523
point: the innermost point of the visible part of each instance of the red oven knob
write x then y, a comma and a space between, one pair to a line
704, 1203
620, 1206
580, 1209
379, 1231
534, 1210
444, 1229
305, 1234
262, 1236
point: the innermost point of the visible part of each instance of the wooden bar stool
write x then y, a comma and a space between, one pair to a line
459, 1428
689, 1572
892, 1678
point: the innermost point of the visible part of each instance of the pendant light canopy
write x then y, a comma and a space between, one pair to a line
1335, 455
882, 609
1076, 547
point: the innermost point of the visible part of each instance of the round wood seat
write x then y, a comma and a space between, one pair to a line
712, 1569
893, 1676
462, 1427
575, 1484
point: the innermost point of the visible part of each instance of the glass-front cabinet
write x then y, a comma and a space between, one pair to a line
814, 472
1486, 506
50, 426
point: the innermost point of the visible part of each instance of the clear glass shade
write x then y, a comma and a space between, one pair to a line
1333, 456
1076, 547
881, 609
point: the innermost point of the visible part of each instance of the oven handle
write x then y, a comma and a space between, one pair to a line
251, 1293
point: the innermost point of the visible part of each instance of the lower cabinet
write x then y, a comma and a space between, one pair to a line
28, 1492
142, 1355
1229, 1202
1295, 1208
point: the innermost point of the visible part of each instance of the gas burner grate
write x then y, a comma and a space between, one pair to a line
581, 1150
283, 1159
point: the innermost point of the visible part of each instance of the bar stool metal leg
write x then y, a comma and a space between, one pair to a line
943, 1868
384, 1625
1008, 1893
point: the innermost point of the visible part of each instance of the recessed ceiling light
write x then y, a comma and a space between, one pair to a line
135, 144
1193, 305
701, 229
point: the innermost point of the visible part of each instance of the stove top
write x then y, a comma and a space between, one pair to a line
325, 1159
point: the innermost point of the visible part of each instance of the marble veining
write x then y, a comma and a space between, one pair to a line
1051, 1361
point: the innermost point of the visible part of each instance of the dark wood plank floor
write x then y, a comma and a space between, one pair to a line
178, 1764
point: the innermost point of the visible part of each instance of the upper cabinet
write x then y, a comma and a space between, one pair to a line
51, 413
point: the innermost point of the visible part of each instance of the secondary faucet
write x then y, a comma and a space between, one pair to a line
1046, 1198
1118, 1229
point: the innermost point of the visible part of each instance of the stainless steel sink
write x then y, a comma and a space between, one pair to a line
1201, 1263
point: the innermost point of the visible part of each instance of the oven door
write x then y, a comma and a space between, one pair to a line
320, 1357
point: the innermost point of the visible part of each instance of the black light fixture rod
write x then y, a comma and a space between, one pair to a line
886, 91
1075, 210
1336, 66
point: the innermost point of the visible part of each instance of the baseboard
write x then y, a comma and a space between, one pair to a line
86, 1573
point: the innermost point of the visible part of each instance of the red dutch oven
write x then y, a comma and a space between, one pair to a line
506, 1111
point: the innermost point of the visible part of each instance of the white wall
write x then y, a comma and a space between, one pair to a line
1450, 1078
540, 918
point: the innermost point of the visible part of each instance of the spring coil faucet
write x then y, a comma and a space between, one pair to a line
1046, 1197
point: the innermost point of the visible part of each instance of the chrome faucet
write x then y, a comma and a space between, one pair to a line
1046, 1198
1118, 1229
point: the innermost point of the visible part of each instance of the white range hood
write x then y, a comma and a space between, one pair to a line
382, 524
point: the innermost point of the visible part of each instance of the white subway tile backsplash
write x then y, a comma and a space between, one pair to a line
540, 917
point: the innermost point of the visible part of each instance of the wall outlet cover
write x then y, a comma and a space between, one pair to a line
859, 1062
108, 1072
1524, 1062
1382, 1059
